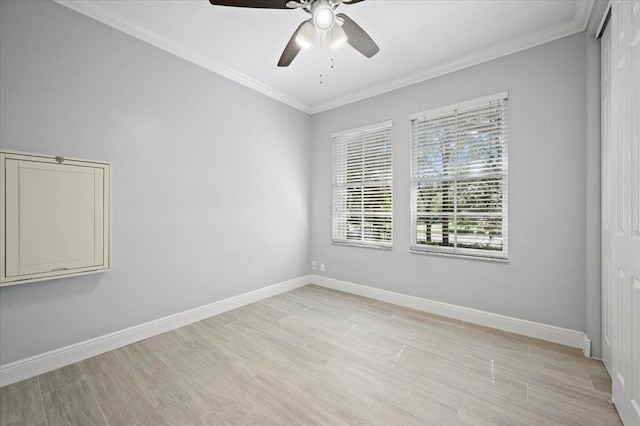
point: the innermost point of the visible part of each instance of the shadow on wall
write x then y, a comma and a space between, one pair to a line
41, 292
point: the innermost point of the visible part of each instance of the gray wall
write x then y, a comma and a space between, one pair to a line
545, 279
210, 179
219, 191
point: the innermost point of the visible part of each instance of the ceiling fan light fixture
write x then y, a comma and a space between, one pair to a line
323, 15
323, 19
306, 36
337, 37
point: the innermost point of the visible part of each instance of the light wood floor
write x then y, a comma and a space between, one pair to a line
317, 356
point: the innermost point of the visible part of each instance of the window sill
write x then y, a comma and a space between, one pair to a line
462, 256
369, 246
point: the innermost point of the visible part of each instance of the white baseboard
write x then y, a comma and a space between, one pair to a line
563, 336
586, 346
23, 369
29, 367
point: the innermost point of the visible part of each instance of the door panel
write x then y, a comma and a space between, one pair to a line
54, 217
621, 198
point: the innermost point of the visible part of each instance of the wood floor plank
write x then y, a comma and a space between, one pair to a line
120, 398
58, 378
286, 400
475, 412
319, 356
20, 404
71, 405
600, 382
174, 399
167, 392
136, 413
207, 420
214, 378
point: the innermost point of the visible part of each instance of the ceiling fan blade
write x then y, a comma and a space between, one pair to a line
357, 37
351, 1
291, 50
259, 4
292, 4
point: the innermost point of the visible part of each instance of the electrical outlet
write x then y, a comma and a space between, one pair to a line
322, 267
314, 265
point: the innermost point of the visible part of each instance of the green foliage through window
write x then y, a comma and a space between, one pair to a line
459, 179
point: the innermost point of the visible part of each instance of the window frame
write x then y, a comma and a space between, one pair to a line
375, 244
470, 253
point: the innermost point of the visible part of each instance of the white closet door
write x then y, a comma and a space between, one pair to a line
54, 218
622, 174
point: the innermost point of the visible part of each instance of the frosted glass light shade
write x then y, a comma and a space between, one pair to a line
323, 15
337, 37
306, 36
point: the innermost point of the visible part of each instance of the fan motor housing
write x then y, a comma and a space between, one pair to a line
324, 17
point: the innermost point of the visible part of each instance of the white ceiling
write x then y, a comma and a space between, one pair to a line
418, 39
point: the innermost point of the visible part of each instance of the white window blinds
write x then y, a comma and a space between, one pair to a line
459, 179
362, 186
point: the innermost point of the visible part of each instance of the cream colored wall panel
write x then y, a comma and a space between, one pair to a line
11, 216
56, 225
57, 217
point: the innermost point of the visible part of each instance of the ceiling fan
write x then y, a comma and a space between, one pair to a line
338, 26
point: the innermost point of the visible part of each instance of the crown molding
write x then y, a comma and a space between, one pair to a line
575, 24
582, 12
118, 22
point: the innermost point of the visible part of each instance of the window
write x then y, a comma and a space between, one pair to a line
459, 179
362, 186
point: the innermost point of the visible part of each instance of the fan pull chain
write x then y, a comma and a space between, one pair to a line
321, 78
